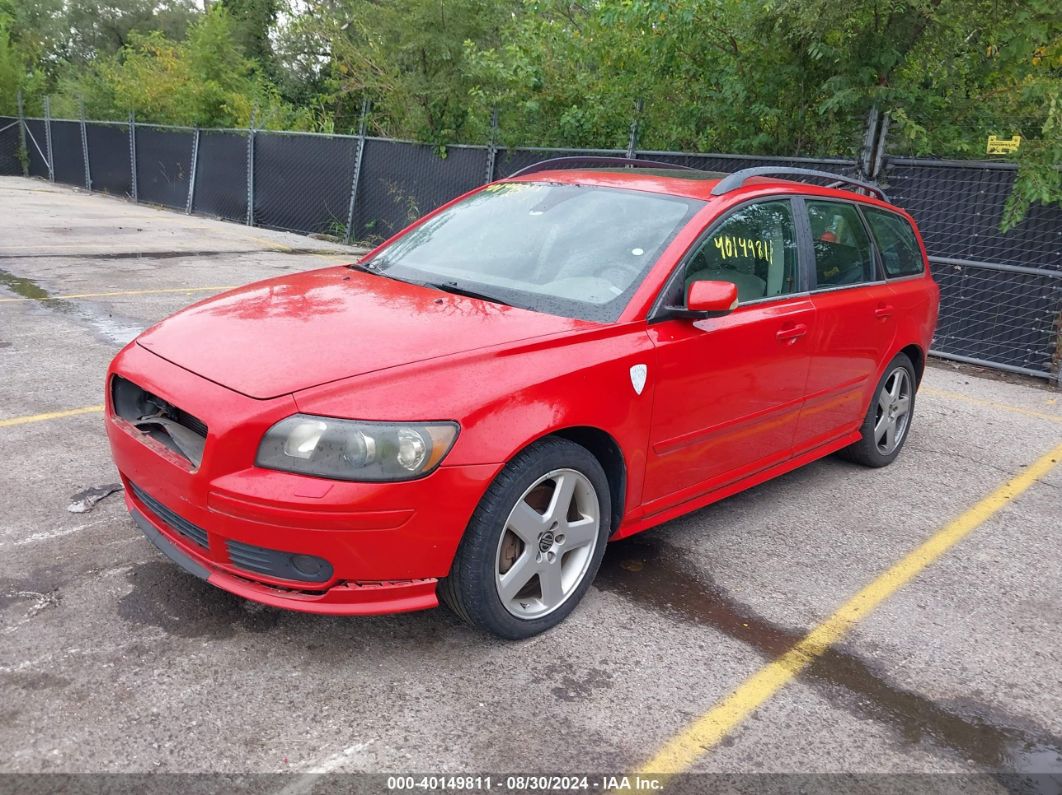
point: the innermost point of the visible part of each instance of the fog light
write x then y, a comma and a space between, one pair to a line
308, 565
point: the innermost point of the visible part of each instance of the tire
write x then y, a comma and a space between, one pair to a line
519, 532
875, 449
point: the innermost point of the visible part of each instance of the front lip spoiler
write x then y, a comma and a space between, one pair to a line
168, 548
353, 599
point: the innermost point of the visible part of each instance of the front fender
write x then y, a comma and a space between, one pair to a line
507, 397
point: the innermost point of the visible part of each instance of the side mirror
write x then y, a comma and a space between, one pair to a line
707, 299
714, 297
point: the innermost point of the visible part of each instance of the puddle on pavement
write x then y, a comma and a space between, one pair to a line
113, 330
23, 287
648, 571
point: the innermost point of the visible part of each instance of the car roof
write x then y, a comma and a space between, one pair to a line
688, 183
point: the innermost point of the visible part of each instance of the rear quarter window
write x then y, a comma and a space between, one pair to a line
896, 243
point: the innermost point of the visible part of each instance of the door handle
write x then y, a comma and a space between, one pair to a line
883, 311
791, 333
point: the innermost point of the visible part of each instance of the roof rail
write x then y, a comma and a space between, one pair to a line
575, 161
738, 178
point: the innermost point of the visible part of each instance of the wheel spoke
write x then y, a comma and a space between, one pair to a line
903, 405
561, 500
897, 384
527, 523
513, 581
890, 436
881, 426
549, 576
580, 533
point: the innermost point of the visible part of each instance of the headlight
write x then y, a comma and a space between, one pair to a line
353, 450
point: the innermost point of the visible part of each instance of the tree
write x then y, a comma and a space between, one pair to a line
407, 55
205, 79
10, 72
252, 21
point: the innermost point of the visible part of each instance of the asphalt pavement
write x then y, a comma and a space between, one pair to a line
112, 660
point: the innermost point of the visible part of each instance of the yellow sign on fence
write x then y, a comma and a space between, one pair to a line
1003, 146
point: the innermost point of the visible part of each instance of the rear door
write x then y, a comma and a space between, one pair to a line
728, 390
914, 295
856, 322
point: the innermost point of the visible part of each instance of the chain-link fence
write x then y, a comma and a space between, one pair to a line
1001, 294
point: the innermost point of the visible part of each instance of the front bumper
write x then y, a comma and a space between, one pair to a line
387, 544
351, 599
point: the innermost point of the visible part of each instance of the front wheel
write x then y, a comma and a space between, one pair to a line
888, 419
534, 543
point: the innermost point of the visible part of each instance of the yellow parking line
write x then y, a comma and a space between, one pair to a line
995, 404
683, 750
51, 415
159, 291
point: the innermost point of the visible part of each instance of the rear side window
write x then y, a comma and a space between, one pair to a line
896, 243
755, 248
843, 254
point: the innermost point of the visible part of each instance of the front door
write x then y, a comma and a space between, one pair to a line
728, 390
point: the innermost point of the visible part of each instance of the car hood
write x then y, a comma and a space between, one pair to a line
294, 332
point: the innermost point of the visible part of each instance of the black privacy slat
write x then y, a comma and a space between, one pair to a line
10, 166
302, 182
66, 153
400, 182
37, 148
163, 162
109, 158
998, 316
221, 180
959, 210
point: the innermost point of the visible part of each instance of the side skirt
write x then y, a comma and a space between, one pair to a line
722, 492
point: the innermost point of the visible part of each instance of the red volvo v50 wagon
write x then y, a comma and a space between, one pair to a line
568, 356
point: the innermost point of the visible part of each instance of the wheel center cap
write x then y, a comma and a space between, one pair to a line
545, 541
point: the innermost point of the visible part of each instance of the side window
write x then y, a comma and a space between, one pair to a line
843, 254
896, 242
755, 248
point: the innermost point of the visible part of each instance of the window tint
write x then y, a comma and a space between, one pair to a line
843, 254
896, 242
755, 248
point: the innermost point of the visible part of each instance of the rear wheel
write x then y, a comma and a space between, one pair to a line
888, 419
534, 543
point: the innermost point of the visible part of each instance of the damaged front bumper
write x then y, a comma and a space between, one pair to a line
283, 539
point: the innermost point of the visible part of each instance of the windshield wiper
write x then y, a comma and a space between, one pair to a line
453, 287
446, 287
357, 266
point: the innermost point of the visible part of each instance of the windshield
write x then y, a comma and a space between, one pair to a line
573, 250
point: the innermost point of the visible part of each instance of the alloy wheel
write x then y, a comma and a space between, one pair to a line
893, 413
547, 544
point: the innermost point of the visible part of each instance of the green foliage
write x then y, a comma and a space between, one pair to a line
205, 79
18, 70
1040, 160
10, 72
783, 77
407, 56
252, 20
